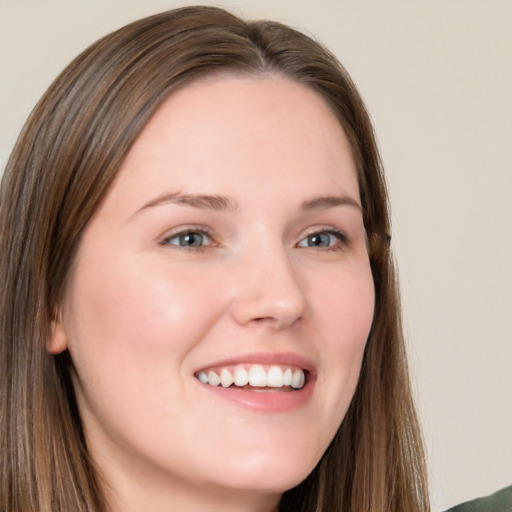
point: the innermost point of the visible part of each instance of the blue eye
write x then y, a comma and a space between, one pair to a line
323, 239
188, 239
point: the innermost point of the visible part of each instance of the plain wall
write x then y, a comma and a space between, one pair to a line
437, 78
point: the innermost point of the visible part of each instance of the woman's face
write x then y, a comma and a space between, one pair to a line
230, 247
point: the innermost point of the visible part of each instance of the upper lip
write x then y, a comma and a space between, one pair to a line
265, 358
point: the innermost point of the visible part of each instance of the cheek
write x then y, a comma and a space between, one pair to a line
131, 327
129, 330
346, 314
141, 307
346, 305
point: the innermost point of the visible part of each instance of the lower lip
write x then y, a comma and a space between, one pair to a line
267, 400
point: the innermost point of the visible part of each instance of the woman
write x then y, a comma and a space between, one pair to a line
199, 310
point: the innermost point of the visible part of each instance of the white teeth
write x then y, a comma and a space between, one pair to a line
226, 379
298, 379
256, 376
213, 379
287, 377
241, 376
275, 377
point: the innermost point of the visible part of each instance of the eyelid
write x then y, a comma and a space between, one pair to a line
341, 236
184, 230
165, 239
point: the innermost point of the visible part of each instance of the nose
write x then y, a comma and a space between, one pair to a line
269, 290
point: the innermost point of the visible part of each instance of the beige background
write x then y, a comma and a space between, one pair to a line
437, 77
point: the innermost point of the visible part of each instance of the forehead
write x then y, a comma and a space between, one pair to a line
231, 129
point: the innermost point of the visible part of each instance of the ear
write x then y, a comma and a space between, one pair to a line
58, 340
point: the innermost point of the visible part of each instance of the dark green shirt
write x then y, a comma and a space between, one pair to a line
500, 501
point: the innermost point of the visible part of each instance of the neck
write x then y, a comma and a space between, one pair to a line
153, 494
201, 499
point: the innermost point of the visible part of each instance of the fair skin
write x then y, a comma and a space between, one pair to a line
231, 240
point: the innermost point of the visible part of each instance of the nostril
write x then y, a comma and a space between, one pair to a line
276, 322
264, 321
276, 303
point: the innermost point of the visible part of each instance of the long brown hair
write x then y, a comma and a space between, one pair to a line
65, 159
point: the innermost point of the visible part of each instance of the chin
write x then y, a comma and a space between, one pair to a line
273, 476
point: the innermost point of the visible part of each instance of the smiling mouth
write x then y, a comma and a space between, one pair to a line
255, 377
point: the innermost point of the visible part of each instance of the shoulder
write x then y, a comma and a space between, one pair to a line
500, 501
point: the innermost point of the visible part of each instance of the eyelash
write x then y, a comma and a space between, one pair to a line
340, 236
341, 239
200, 230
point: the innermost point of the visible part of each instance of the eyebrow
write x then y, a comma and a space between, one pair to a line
201, 201
323, 203
225, 203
